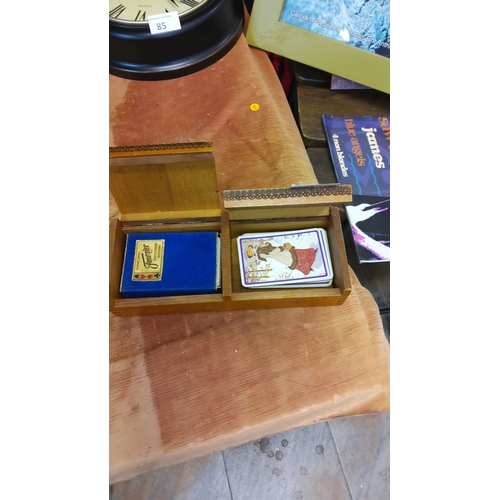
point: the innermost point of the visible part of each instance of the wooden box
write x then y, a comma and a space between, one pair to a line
173, 187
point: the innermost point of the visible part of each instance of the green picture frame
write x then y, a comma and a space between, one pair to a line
266, 31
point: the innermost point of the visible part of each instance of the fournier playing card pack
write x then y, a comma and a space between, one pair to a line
163, 264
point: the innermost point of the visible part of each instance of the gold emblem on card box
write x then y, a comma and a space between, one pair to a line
148, 260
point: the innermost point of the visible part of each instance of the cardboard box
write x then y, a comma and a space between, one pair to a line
174, 188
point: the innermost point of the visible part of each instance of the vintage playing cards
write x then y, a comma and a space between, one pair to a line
299, 258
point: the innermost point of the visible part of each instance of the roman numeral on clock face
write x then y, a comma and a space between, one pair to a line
117, 11
190, 3
141, 16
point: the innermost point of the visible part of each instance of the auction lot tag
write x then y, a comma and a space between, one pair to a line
161, 23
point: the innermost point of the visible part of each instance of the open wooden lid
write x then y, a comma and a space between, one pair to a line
296, 201
164, 181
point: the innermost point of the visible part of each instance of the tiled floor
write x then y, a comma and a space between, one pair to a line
342, 459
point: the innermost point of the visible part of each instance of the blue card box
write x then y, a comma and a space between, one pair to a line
190, 264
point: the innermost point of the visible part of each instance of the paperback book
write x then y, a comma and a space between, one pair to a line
285, 259
369, 219
164, 264
360, 152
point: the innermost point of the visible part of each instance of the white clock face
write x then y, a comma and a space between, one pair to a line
136, 12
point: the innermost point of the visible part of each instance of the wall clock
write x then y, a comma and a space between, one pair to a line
208, 30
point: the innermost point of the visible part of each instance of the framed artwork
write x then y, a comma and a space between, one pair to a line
348, 38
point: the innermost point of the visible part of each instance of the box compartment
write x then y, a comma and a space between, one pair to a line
161, 188
155, 305
289, 211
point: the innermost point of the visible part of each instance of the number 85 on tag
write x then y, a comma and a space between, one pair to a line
161, 23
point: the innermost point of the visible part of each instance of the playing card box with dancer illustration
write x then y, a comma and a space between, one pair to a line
285, 259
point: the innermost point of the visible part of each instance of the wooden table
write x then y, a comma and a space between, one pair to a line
182, 386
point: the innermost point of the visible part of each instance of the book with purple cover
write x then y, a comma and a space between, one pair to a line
360, 151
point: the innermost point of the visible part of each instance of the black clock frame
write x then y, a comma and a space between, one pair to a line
205, 36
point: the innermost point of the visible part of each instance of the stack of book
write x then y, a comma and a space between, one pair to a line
360, 151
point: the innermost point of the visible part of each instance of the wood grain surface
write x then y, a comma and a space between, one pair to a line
184, 386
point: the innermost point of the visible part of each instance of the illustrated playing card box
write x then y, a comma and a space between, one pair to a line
285, 259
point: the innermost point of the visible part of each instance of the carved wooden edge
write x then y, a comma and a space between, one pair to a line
161, 148
286, 193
